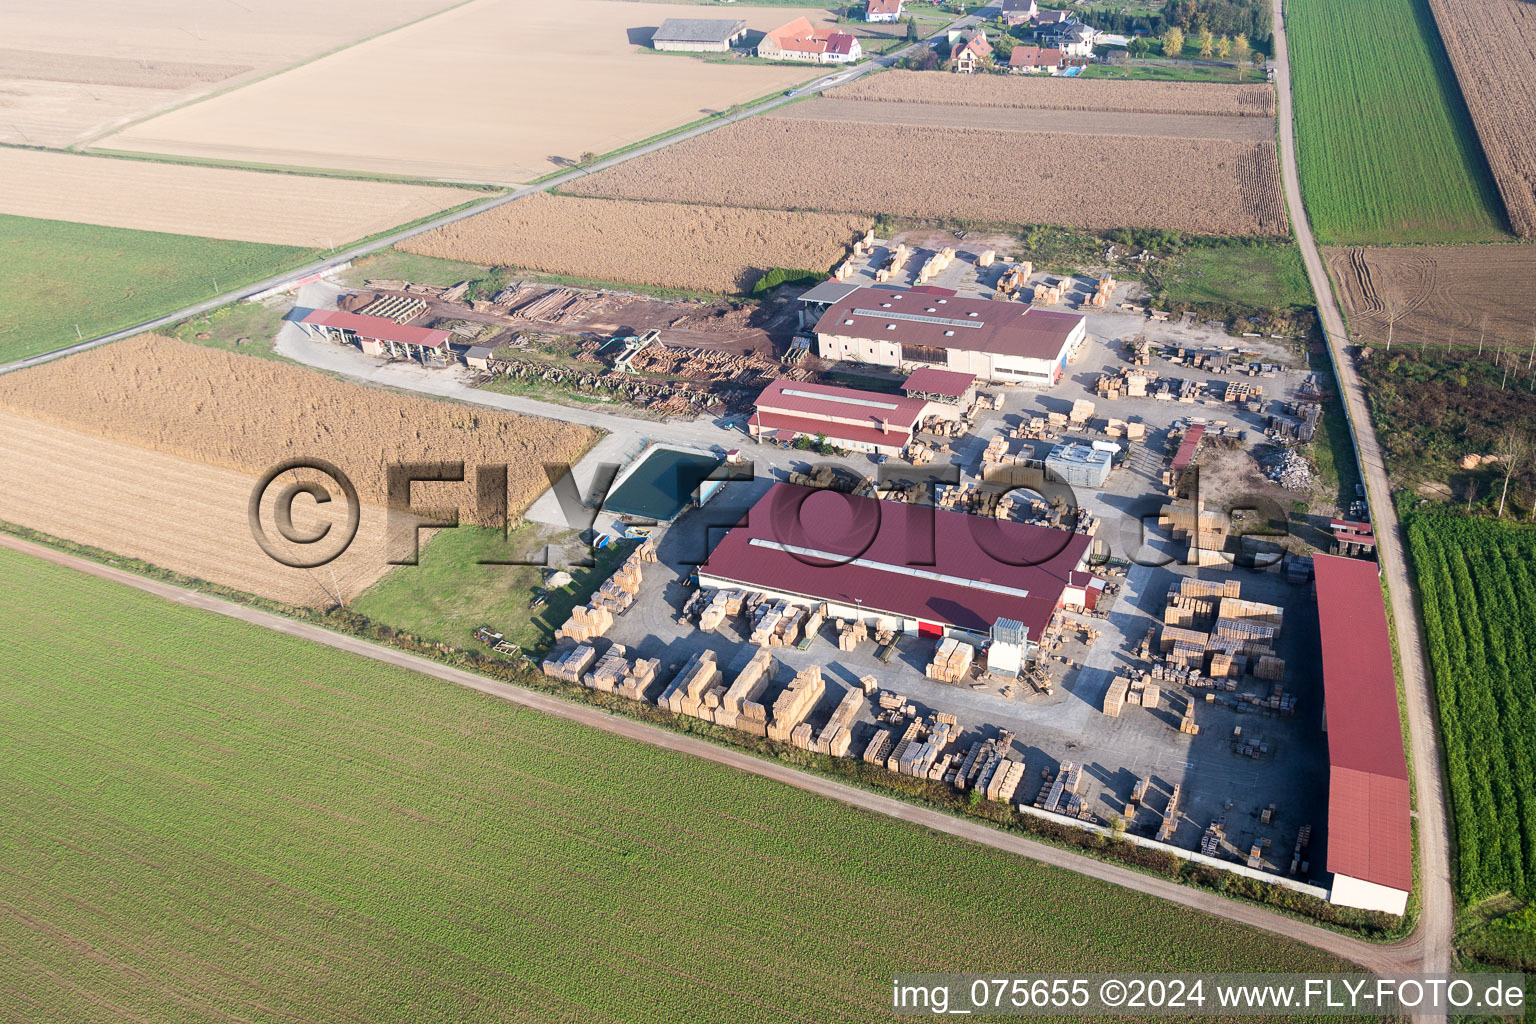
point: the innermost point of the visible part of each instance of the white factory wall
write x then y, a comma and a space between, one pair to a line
1357, 892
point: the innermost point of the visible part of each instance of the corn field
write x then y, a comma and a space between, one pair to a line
714, 249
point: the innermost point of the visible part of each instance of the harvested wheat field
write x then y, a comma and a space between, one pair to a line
249, 414
1438, 294
1035, 119
670, 245
1206, 186
73, 69
1044, 91
245, 206
1492, 45
182, 515
495, 90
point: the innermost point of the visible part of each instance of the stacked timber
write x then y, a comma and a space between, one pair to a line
951, 661
749, 683
1269, 667
1170, 823
585, 623
610, 668
902, 753
801, 736
1114, 697
837, 736
795, 704
1174, 635
1187, 723
879, 746
1236, 608
638, 678
685, 695
568, 663
851, 634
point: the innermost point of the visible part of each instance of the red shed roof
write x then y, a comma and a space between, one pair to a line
897, 437
825, 402
1368, 827
902, 559
1186, 453
972, 325
377, 328
930, 381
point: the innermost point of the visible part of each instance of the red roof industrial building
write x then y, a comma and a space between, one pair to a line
930, 569
1369, 835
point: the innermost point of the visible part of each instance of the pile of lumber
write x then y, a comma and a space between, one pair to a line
725, 604
777, 624
1082, 412
638, 678
951, 661
685, 694
879, 745
568, 663
1061, 796
795, 704
1049, 294
851, 634
739, 707
1114, 697
1237, 608
618, 591
1004, 783
1187, 723
837, 736
935, 264
585, 623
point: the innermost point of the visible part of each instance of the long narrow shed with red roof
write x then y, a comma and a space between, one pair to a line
1369, 835
379, 336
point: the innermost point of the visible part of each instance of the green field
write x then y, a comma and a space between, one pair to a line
55, 276
1254, 277
1477, 585
233, 823
1386, 148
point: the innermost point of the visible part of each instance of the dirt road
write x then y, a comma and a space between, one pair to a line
1397, 958
1437, 913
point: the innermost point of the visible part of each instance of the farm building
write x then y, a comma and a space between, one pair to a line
994, 341
699, 35
1036, 60
882, 10
860, 421
798, 40
1078, 465
1369, 836
898, 566
379, 336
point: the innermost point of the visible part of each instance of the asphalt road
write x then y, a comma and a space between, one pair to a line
1433, 937
841, 76
1382, 959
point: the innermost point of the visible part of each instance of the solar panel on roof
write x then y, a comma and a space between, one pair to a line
919, 318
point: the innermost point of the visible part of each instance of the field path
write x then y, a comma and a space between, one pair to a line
1432, 938
1382, 959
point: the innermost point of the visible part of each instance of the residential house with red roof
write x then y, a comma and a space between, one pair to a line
1036, 60
882, 10
967, 49
800, 41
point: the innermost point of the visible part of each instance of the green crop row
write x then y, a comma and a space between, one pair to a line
1477, 584
1386, 148
240, 824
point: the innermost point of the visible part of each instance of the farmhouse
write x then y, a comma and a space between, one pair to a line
1013, 12
1369, 844
967, 49
861, 421
379, 336
798, 40
1072, 38
995, 341
699, 35
898, 566
882, 10
1036, 60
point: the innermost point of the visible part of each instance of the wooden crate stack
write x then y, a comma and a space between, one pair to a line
585, 623
639, 678
1049, 294
1237, 608
851, 634
744, 690
1253, 636
879, 745
685, 694
795, 704
1082, 412
1058, 797
725, 604
951, 661
610, 668
1269, 667
1005, 781
1187, 723
902, 754
801, 736
1170, 823
837, 737
1175, 635
568, 663
1187, 654
1114, 697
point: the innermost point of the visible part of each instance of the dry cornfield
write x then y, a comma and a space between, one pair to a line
1492, 44
1207, 186
1043, 91
1437, 294
213, 202
671, 245
181, 515
250, 414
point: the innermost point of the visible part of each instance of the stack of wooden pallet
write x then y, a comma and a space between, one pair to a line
1114, 697
1005, 781
568, 663
1187, 723
610, 668
1170, 823
851, 634
585, 623
1269, 667
879, 745
951, 661
837, 736
795, 704
684, 696
1237, 608
750, 681
639, 678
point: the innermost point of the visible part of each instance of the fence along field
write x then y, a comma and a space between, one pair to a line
1205, 186
212, 202
75, 68
1477, 584
249, 414
453, 857
1046, 92
172, 512
671, 245
1492, 46
1383, 148
1472, 296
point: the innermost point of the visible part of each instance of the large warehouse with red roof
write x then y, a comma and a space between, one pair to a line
860, 421
1370, 849
1006, 342
905, 567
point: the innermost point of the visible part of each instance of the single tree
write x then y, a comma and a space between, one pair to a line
1173, 41
1394, 308
1207, 43
1512, 449
911, 29
1224, 47
1240, 48
1138, 47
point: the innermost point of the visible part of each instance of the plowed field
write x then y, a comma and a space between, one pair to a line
1095, 181
1041, 91
212, 202
1031, 119
1436, 291
172, 512
712, 249
1492, 45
